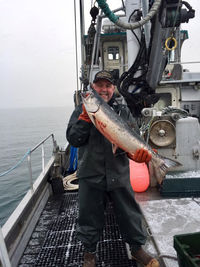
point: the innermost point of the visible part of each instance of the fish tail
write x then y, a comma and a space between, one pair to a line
161, 169
170, 163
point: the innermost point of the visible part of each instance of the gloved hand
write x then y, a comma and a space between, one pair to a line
141, 155
84, 116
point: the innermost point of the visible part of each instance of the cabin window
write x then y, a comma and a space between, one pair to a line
113, 53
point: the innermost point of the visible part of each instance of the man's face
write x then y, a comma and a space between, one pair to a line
104, 88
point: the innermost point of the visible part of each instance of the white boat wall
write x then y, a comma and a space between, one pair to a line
140, 42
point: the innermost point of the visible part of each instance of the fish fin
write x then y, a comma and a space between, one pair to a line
170, 163
114, 148
92, 119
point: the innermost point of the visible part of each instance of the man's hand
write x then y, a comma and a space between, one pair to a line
84, 116
141, 155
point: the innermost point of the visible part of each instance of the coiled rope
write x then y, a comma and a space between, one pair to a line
68, 182
17, 164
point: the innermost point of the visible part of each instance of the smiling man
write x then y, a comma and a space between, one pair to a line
104, 85
103, 174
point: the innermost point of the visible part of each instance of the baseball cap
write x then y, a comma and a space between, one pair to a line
104, 74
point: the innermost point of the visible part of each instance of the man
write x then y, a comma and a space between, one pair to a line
101, 174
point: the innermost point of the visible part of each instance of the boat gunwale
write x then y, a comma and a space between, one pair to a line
17, 226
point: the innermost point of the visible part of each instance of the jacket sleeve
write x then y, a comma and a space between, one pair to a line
78, 131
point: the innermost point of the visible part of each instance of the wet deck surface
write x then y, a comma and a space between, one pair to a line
167, 217
54, 243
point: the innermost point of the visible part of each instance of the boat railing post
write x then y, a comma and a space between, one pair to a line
43, 156
5, 261
30, 171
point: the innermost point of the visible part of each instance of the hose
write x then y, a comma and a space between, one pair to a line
128, 26
170, 109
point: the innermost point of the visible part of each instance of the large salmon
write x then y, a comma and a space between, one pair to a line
117, 131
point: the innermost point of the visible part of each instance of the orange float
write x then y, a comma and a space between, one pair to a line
139, 176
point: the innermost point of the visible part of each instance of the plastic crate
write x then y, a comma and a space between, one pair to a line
187, 247
180, 187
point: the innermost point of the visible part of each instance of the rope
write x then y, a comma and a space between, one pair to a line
68, 182
16, 165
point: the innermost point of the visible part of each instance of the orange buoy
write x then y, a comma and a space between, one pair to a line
139, 176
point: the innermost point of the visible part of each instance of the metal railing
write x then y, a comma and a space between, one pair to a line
4, 257
43, 156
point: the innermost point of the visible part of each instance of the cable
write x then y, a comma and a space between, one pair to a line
131, 29
16, 165
123, 5
171, 36
127, 78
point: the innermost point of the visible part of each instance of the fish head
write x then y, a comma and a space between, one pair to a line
91, 100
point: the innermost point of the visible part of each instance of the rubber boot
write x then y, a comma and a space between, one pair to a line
89, 259
145, 259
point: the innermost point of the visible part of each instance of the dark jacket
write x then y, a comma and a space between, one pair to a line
96, 161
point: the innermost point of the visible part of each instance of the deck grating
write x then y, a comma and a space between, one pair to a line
54, 242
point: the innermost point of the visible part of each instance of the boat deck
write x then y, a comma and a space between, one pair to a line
54, 243
166, 217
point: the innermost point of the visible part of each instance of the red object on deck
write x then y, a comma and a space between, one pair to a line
139, 176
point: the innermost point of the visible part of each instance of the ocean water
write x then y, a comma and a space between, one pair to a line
20, 130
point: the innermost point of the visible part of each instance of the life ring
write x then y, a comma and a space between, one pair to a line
68, 182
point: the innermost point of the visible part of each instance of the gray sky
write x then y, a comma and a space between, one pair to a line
37, 51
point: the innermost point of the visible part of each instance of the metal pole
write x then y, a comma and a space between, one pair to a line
96, 56
76, 46
82, 26
30, 171
43, 157
5, 261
